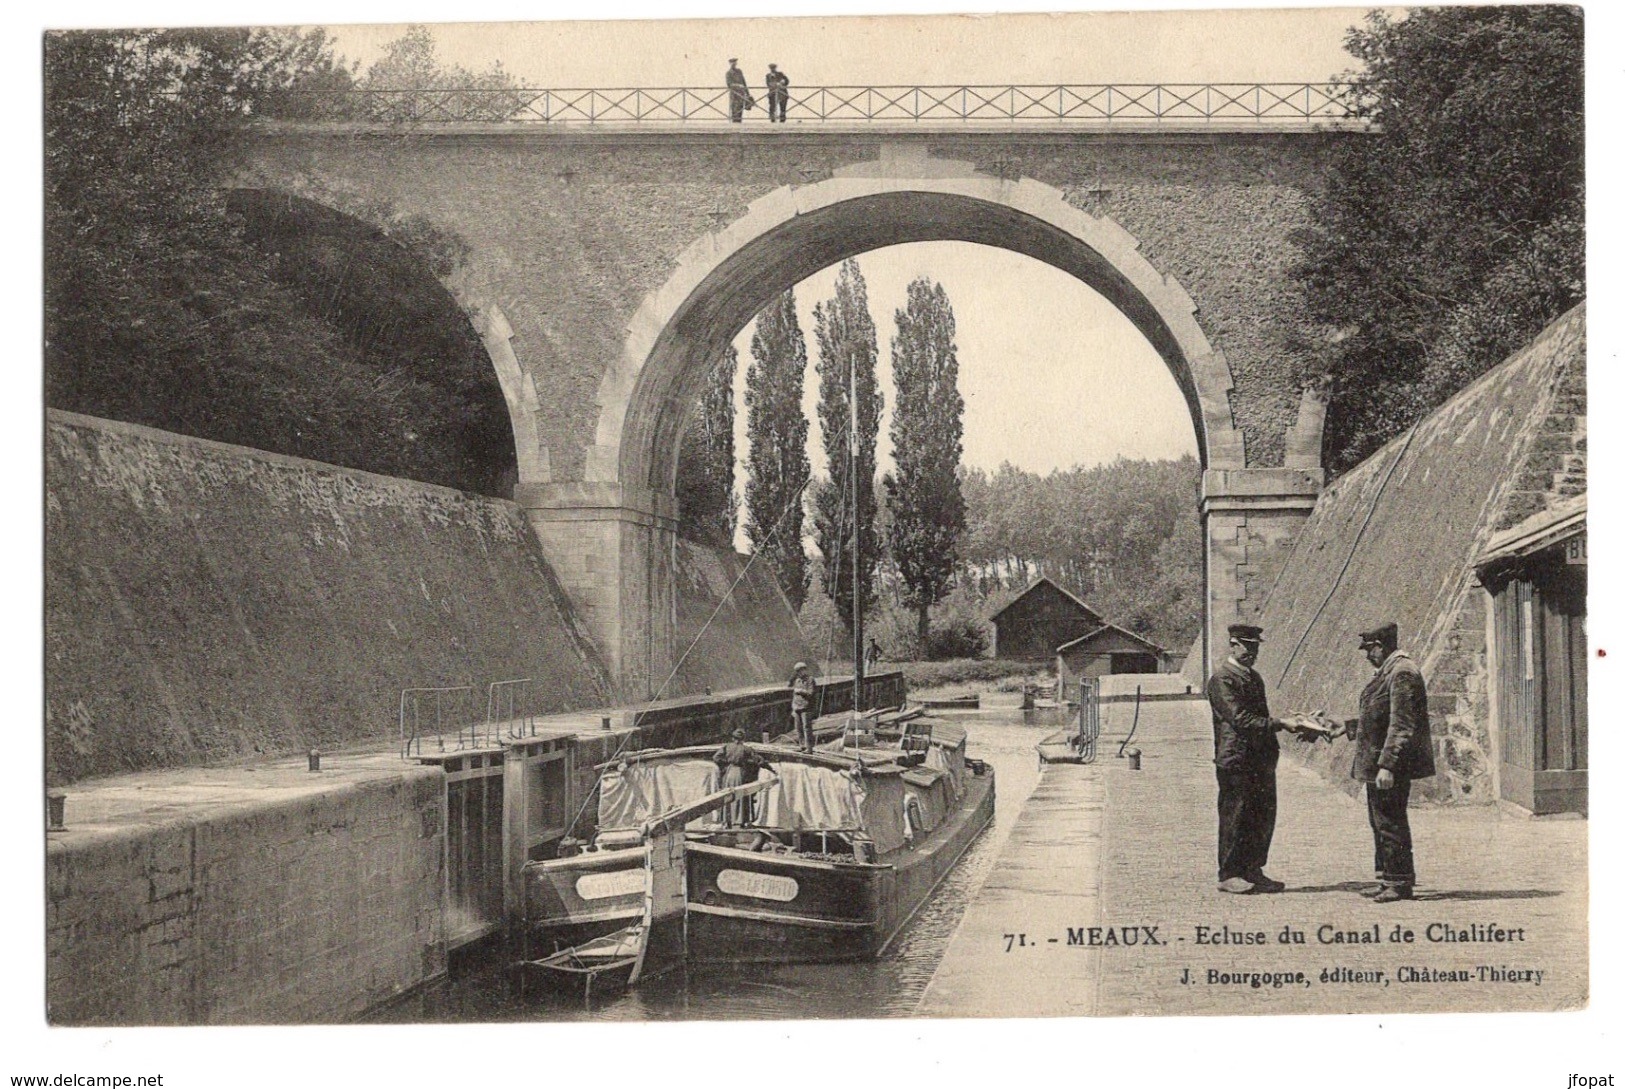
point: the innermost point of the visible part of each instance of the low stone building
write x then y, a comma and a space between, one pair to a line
1041, 618
1403, 536
1108, 650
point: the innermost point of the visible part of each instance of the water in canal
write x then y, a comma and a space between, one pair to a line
889, 987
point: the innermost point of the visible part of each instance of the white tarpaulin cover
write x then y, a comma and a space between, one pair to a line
806, 797
950, 760
633, 794
882, 801
810, 797
930, 789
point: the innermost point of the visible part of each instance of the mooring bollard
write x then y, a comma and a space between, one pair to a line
56, 805
1133, 755
315, 760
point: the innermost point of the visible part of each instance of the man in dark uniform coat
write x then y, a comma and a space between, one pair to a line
1392, 746
739, 96
1244, 754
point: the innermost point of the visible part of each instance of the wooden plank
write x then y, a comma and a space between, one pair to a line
1555, 675
515, 812
1580, 666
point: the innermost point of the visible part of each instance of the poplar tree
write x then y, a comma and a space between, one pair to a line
927, 429
777, 467
705, 466
847, 344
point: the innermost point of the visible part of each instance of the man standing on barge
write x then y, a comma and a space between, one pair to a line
1245, 752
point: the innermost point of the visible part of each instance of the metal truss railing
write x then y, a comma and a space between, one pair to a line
1259, 103
434, 714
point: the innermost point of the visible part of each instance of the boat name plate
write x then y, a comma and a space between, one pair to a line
601, 886
762, 886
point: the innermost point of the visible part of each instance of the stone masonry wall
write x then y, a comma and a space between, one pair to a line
268, 895
1247, 552
1395, 539
305, 910
569, 231
207, 602
735, 629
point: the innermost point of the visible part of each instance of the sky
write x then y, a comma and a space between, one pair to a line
1052, 374
1098, 47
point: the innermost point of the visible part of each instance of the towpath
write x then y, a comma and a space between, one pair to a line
1104, 900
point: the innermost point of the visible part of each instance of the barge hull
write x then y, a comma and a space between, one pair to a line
835, 911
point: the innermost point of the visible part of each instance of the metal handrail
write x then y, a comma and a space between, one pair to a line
433, 712
508, 702
439, 708
1088, 719
1262, 103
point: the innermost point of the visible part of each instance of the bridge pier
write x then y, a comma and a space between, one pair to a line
613, 548
1250, 519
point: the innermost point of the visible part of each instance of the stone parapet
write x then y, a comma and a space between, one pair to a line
296, 898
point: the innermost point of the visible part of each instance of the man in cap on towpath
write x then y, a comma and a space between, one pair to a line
1393, 744
1244, 755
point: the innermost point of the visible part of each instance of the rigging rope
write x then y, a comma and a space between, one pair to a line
1353, 548
832, 572
632, 730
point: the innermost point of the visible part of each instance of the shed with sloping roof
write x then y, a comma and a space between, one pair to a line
1107, 650
1041, 618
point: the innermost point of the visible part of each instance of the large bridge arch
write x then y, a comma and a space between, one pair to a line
611, 533
723, 280
600, 261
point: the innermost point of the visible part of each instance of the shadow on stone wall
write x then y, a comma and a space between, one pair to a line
737, 640
205, 602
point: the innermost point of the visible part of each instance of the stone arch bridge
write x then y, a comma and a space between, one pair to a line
607, 265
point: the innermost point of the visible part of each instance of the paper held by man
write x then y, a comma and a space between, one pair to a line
1318, 726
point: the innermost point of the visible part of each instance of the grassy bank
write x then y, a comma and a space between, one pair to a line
981, 674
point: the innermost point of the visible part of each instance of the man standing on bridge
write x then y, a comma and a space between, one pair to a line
778, 93
739, 96
1244, 754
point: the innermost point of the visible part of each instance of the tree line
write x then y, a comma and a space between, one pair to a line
916, 539
1125, 535
246, 316
1447, 238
